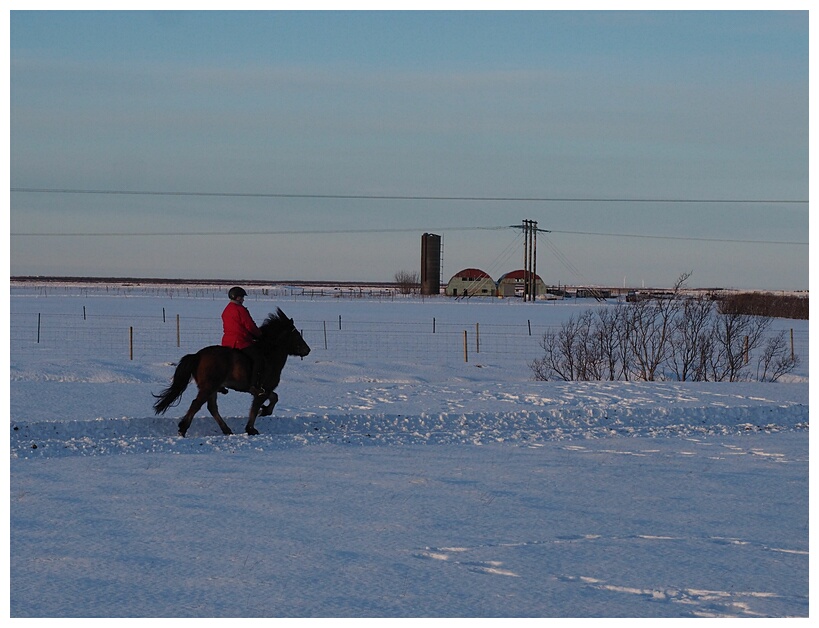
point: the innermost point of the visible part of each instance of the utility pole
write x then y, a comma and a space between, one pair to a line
525, 260
529, 259
534, 260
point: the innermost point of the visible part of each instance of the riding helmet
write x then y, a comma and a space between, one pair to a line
236, 292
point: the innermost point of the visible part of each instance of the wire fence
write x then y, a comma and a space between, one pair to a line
128, 332
168, 337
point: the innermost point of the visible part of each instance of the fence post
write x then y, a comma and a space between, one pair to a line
38, 328
529, 322
477, 337
325, 335
433, 324
792, 354
131, 342
466, 355
745, 350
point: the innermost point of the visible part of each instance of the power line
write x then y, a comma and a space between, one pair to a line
565, 261
251, 233
390, 197
119, 234
683, 238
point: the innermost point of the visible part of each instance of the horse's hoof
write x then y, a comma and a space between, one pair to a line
265, 411
252, 431
182, 434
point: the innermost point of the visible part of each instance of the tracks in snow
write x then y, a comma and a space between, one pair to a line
522, 427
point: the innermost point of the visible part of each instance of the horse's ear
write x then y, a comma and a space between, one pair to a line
281, 314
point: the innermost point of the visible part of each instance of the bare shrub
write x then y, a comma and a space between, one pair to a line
686, 338
690, 340
611, 332
651, 325
765, 304
561, 357
776, 359
734, 337
592, 346
408, 282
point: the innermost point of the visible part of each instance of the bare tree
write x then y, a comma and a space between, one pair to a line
612, 337
648, 339
550, 366
651, 326
776, 359
690, 339
735, 336
589, 348
407, 281
563, 353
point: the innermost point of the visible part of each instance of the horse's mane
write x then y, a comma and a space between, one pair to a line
275, 323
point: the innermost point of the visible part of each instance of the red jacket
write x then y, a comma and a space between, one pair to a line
239, 329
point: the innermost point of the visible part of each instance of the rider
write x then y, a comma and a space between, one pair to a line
240, 332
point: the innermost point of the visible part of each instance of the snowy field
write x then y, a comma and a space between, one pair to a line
398, 476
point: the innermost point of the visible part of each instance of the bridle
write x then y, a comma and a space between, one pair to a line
284, 334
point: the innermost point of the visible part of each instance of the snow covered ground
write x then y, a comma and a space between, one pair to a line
396, 478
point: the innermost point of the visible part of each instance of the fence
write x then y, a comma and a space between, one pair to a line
168, 336
127, 332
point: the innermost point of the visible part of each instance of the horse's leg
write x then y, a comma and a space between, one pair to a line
214, 411
254, 412
267, 410
197, 403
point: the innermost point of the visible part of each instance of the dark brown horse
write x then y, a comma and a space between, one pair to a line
217, 368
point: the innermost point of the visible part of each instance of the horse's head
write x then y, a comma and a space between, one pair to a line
279, 333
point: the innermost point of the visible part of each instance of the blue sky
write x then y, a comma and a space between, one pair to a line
246, 134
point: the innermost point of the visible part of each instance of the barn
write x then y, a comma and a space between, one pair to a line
471, 282
511, 284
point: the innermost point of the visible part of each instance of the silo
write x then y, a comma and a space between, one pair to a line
430, 264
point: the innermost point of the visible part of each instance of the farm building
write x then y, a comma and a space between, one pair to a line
511, 284
471, 282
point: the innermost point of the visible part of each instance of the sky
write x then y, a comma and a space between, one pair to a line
321, 145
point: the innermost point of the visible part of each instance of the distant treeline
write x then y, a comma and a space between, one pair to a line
137, 281
764, 304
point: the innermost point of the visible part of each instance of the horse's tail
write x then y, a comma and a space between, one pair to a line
181, 378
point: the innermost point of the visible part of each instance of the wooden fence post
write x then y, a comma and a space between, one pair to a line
466, 354
131, 342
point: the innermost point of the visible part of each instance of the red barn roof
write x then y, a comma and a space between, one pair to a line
472, 273
517, 275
